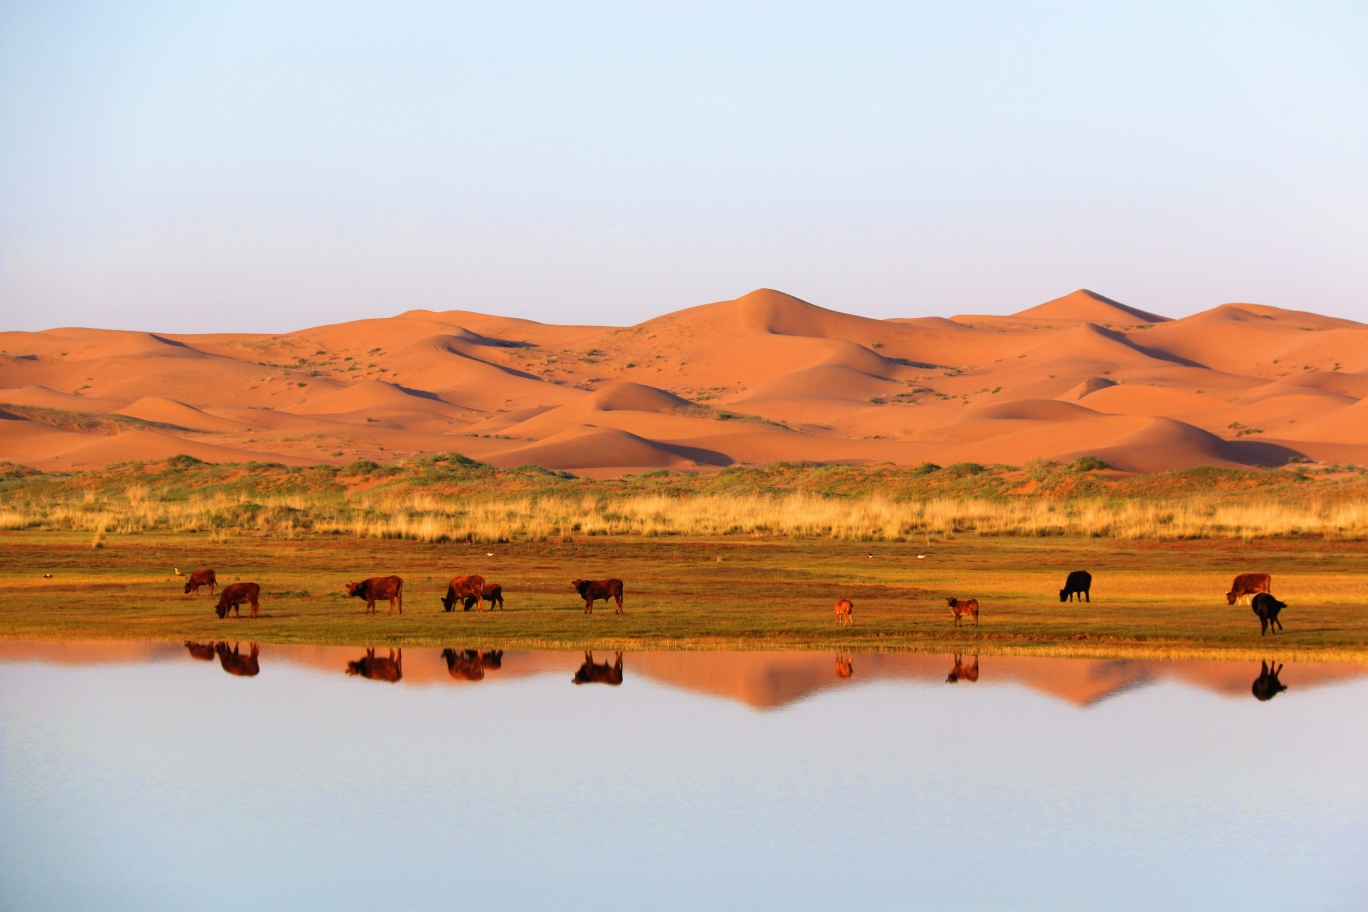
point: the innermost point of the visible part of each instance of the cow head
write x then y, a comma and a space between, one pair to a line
357, 589
580, 585
1230, 597
449, 600
188, 584
1063, 595
952, 602
222, 608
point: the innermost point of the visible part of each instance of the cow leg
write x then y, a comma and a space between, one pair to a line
1088, 593
619, 604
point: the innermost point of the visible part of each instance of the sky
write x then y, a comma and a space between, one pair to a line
267, 166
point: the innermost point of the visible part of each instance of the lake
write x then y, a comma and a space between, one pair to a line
142, 776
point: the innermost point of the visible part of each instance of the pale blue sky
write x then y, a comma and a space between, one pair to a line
272, 165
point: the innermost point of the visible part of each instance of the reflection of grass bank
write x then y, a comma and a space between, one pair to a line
1151, 599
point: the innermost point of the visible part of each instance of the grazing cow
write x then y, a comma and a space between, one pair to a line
469, 589
960, 607
1247, 584
201, 578
960, 673
1080, 583
391, 669
845, 612
1267, 608
235, 663
492, 593
234, 595
379, 587
593, 590
845, 664
471, 664
1267, 686
592, 672
202, 651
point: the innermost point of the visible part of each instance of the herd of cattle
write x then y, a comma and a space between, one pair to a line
473, 591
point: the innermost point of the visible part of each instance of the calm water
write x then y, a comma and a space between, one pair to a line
144, 777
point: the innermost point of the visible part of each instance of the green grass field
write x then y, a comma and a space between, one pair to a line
1149, 598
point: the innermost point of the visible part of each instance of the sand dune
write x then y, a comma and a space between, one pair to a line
1237, 385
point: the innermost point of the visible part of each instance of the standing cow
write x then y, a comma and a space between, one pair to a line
1078, 583
961, 607
1248, 584
492, 592
845, 612
1267, 609
469, 589
232, 597
379, 587
201, 578
593, 590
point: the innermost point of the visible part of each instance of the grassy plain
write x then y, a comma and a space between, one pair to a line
1150, 598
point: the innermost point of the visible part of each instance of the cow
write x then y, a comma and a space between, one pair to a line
492, 593
845, 664
845, 612
471, 664
202, 651
1080, 583
201, 578
391, 669
1247, 584
469, 589
235, 663
233, 595
592, 672
593, 590
1267, 608
379, 587
1267, 686
960, 607
960, 673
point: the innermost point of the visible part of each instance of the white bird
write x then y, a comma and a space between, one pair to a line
47, 576
489, 554
178, 573
920, 556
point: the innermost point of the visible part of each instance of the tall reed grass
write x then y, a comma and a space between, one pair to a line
427, 517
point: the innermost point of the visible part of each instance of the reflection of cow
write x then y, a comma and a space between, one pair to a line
961, 607
471, 664
845, 612
1266, 685
379, 587
232, 597
1246, 584
492, 593
469, 589
1078, 583
593, 590
592, 672
845, 664
202, 651
235, 663
1267, 608
960, 673
201, 578
391, 669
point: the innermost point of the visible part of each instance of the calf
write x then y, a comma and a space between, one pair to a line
492, 592
960, 673
469, 589
391, 669
592, 672
234, 595
593, 590
1247, 584
201, 578
1267, 686
960, 607
235, 663
379, 587
1080, 583
845, 612
1267, 608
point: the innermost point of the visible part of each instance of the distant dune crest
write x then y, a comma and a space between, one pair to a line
764, 377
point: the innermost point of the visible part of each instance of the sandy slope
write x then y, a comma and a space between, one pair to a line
748, 381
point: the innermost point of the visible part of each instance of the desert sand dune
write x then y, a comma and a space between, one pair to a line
766, 376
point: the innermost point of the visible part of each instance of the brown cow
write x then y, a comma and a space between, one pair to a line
1267, 686
234, 595
845, 664
201, 578
593, 590
845, 612
470, 664
959, 607
960, 673
492, 593
202, 651
1246, 584
235, 663
379, 587
469, 589
592, 672
391, 669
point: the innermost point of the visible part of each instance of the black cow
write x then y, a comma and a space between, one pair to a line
1267, 608
1080, 583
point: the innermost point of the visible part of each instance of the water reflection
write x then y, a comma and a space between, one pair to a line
845, 664
592, 672
962, 673
202, 651
1267, 686
235, 663
375, 669
471, 664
